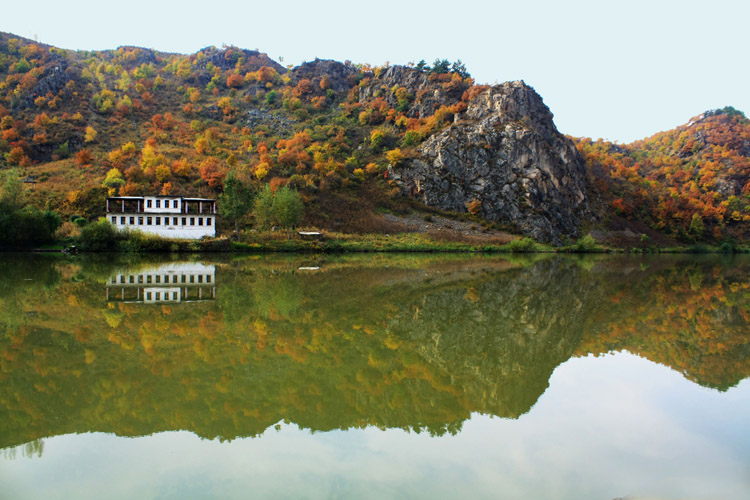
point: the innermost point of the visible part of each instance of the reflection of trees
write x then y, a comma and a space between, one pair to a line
416, 344
692, 315
28, 450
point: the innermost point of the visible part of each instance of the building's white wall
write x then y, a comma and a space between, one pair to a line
166, 205
170, 229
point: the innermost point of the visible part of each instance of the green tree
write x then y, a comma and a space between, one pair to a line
460, 69
441, 66
235, 201
12, 189
263, 208
696, 226
287, 208
21, 225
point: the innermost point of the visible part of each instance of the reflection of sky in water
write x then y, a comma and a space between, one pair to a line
614, 426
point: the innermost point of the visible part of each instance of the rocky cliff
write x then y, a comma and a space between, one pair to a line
504, 159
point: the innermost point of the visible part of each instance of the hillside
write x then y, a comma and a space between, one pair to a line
364, 146
338, 132
691, 183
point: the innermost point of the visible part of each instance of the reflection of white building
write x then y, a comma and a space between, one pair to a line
168, 283
166, 216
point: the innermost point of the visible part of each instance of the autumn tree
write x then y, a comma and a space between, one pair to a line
211, 172
235, 81
113, 181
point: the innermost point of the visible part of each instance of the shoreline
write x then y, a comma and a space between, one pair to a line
350, 244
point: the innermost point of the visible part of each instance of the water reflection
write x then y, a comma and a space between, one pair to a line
167, 283
418, 343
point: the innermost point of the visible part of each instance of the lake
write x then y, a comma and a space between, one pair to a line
374, 376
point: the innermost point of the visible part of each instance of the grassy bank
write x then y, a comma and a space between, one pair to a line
101, 239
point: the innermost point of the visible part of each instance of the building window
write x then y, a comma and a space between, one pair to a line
158, 203
122, 220
148, 221
140, 278
148, 295
140, 221
132, 221
174, 221
174, 204
208, 220
158, 295
192, 221
184, 278
157, 279
184, 221
132, 279
148, 278
148, 203
208, 278
114, 220
200, 221
157, 221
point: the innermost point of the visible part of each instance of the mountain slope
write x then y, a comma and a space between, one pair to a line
692, 182
176, 124
355, 140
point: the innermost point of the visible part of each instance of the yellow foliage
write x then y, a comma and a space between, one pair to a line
90, 134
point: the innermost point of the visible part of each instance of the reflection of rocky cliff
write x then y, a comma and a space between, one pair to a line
499, 339
411, 343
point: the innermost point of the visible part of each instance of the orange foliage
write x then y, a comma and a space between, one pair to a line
235, 81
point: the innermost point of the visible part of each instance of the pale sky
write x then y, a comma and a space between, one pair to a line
620, 70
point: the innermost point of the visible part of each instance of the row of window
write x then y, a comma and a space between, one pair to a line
158, 296
157, 278
157, 221
173, 295
166, 203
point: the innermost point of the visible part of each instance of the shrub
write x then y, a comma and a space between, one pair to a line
586, 244
728, 247
99, 236
524, 245
699, 248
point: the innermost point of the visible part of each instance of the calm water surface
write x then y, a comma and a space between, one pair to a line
375, 377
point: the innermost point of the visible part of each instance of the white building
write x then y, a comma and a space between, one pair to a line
165, 216
168, 283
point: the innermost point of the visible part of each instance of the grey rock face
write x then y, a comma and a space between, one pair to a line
340, 76
505, 155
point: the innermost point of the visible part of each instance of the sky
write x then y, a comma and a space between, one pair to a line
619, 70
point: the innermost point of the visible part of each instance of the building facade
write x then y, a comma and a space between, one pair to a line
165, 216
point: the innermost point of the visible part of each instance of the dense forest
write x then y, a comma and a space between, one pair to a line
77, 126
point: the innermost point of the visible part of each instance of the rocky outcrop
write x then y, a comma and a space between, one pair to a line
504, 158
426, 92
340, 77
